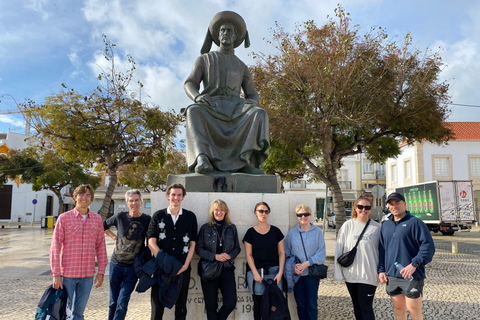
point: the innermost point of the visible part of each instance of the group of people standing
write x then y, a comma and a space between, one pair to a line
394, 253
78, 241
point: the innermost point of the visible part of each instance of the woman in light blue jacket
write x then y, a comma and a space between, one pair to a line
306, 288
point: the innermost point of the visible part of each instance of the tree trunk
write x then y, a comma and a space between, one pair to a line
112, 182
60, 201
338, 204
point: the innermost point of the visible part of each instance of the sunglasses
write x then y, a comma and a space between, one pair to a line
86, 195
263, 211
306, 214
360, 207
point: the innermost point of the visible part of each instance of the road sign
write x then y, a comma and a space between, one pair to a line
34, 201
378, 191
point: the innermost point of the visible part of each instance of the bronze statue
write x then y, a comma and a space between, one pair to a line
224, 132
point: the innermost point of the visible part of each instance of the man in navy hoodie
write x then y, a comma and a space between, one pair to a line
405, 240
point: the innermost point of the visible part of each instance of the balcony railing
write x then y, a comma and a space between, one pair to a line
380, 174
345, 184
298, 184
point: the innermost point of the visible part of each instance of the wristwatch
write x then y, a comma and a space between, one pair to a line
415, 264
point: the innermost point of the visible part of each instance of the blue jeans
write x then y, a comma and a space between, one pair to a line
78, 290
306, 296
122, 283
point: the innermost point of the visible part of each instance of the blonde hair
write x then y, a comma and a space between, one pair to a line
217, 203
361, 198
304, 207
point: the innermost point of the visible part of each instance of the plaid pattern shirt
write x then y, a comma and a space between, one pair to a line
75, 244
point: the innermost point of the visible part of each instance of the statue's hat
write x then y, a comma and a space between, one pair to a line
218, 20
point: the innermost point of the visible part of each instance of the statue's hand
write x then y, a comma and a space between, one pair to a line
205, 99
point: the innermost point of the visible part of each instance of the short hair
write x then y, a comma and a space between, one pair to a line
304, 207
218, 203
176, 186
361, 198
131, 193
83, 189
261, 204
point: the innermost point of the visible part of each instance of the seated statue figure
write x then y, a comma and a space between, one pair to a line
224, 132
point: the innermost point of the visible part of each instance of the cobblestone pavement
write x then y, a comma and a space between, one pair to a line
452, 288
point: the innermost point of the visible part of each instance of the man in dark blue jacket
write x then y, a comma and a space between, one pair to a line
405, 240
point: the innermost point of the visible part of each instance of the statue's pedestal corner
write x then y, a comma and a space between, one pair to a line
227, 182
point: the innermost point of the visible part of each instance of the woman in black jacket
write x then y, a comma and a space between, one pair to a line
218, 241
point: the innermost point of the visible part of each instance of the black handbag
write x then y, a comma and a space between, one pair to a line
317, 271
346, 259
209, 270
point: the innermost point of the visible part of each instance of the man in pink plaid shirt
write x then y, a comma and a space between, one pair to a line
77, 240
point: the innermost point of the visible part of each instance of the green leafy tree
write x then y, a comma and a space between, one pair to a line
47, 171
108, 128
153, 178
336, 91
287, 165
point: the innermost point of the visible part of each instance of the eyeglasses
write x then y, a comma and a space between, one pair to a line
86, 195
303, 214
263, 211
360, 207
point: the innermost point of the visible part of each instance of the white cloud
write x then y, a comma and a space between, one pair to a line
38, 6
462, 68
11, 120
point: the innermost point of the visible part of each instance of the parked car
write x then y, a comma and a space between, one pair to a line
331, 219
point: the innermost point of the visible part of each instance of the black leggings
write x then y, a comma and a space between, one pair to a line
362, 298
257, 305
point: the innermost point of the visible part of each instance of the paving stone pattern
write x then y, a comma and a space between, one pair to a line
452, 288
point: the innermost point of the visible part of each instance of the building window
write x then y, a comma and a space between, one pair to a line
475, 167
367, 166
441, 167
394, 172
408, 169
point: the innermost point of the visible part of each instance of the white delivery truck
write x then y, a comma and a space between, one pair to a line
445, 206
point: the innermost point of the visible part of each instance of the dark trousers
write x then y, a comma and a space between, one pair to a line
257, 307
122, 283
306, 297
362, 298
180, 304
226, 283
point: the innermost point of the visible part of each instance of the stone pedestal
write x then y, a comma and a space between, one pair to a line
227, 182
241, 207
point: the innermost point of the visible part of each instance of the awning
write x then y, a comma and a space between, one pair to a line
68, 200
349, 197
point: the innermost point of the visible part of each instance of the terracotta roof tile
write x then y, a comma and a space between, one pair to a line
464, 130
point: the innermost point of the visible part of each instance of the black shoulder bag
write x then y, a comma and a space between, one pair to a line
346, 259
317, 271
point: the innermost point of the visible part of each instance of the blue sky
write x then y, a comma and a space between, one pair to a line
44, 43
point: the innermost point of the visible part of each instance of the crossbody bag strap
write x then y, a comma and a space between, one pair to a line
361, 234
303, 245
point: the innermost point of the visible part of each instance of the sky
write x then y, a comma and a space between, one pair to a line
44, 43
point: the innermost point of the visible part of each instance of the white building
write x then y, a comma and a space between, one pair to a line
424, 161
17, 198
357, 176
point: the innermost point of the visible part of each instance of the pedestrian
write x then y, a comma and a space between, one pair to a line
78, 240
306, 236
218, 241
361, 276
404, 241
174, 231
130, 239
265, 254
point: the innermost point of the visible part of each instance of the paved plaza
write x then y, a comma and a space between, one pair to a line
452, 288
